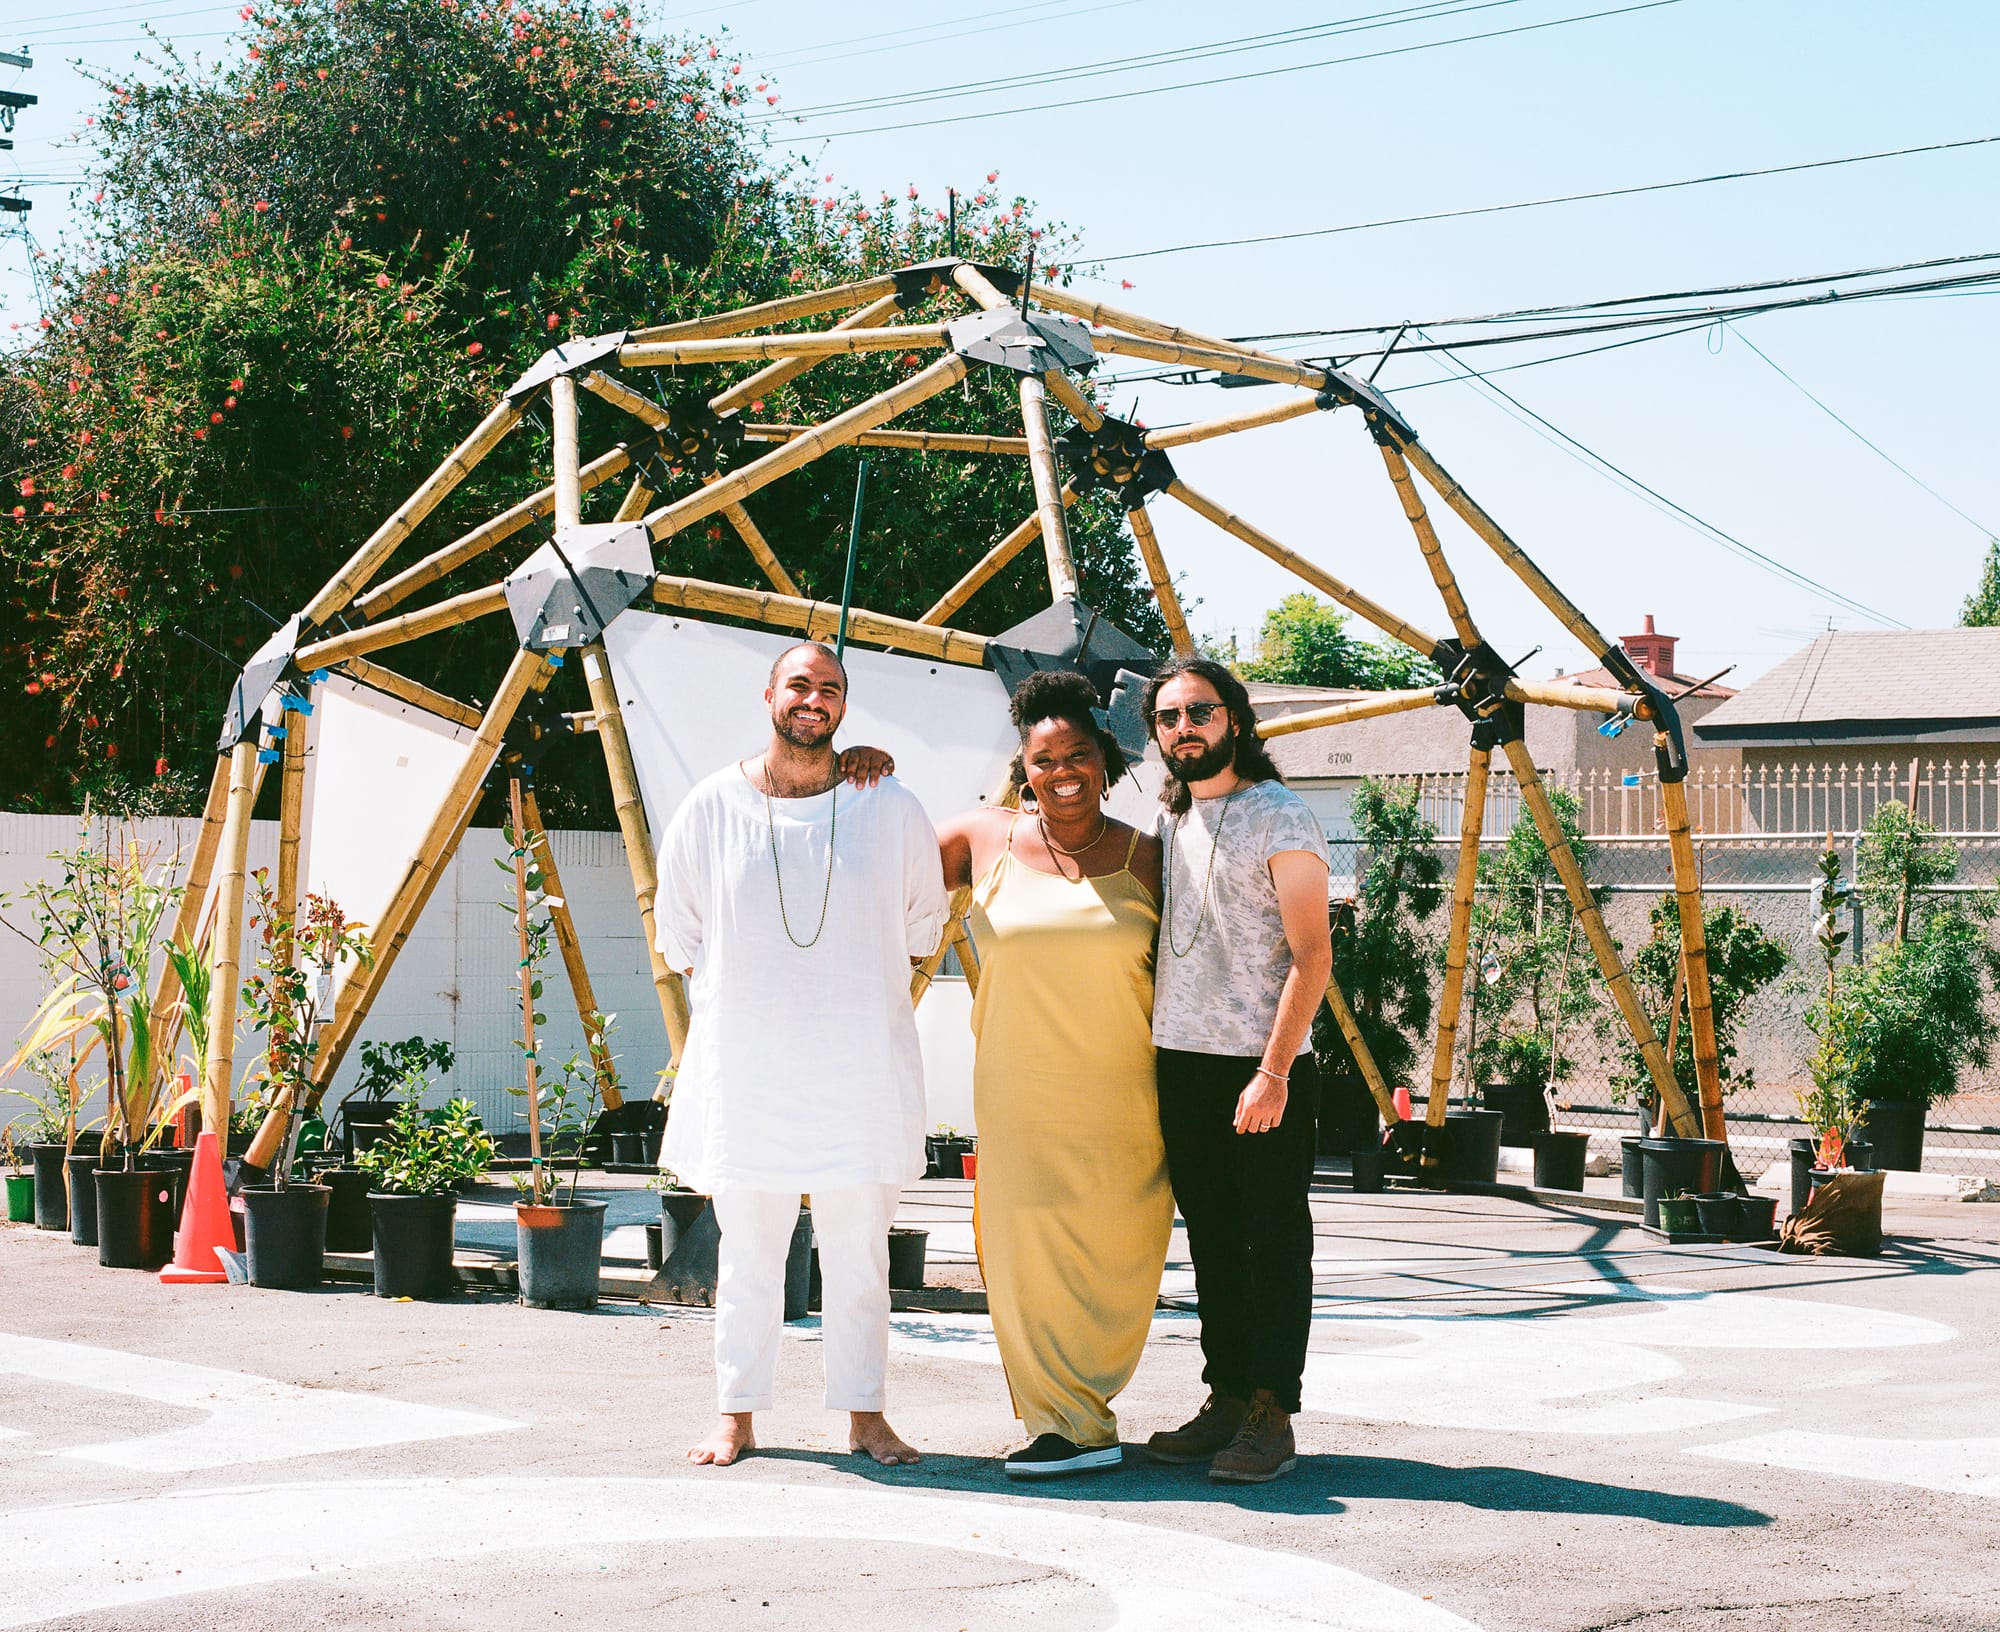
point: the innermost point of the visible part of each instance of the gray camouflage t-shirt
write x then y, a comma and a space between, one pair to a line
1216, 987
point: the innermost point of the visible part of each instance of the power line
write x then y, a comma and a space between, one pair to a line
1886, 457
801, 56
1265, 73
1544, 203
1687, 517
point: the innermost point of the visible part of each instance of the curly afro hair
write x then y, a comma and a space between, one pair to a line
1063, 694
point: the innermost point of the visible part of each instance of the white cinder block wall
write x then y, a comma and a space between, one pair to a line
456, 977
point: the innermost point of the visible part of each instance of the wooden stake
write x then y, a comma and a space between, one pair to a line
1694, 958
1048, 489
527, 973
761, 384
1365, 708
571, 946
818, 620
990, 565
568, 482
833, 299
1357, 1045
1433, 552
1408, 633
413, 692
1537, 800
1164, 595
915, 441
394, 591
1471, 822
761, 551
226, 947
738, 485
631, 811
366, 561
476, 603
528, 671
745, 348
1179, 436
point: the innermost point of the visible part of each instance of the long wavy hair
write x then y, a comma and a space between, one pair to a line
1251, 763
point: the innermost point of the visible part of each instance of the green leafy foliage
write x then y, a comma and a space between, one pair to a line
426, 1153
402, 1069
1982, 607
1901, 857
1304, 642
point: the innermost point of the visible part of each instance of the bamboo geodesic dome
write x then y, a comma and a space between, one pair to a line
563, 591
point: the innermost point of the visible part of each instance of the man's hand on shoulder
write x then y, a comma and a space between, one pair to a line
863, 766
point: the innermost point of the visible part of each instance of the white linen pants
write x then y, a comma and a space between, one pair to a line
851, 1224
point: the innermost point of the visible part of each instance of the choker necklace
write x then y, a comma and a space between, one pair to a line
771, 832
1055, 849
1166, 877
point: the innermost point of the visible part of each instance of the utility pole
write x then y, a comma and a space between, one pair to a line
11, 103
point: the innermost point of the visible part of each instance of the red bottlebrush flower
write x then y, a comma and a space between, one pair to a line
651, 103
687, 96
913, 189
321, 72
91, 721
111, 300
86, 438
236, 569
20, 512
111, 750
282, 86
714, 52
408, 315
1126, 283
160, 516
34, 689
552, 320
28, 487
909, 359
201, 433
347, 433
381, 280
215, 419
48, 742
261, 205
159, 767
772, 100
757, 407
993, 175
229, 402
48, 505
474, 349
535, 51
763, 85
69, 473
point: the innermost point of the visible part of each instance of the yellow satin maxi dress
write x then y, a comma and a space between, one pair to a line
1072, 1207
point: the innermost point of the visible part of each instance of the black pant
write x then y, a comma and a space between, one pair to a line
1243, 1199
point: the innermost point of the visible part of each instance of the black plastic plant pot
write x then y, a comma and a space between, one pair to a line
413, 1242
350, 1224
284, 1232
51, 1198
1471, 1146
689, 1239
1896, 1129
1559, 1160
628, 1149
1719, 1215
906, 1259
363, 1121
1802, 1154
559, 1250
1674, 1166
799, 1267
1756, 1218
1632, 1167
1859, 1154
1365, 1170
135, 1217
82, 1169
1523, 1108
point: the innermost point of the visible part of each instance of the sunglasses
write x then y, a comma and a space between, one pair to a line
1199, 714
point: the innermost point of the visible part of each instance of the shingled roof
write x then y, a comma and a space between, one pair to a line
1852, 686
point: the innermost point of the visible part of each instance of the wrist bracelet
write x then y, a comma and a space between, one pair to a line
1266, 1071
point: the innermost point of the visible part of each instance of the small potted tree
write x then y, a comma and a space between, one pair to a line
1840, 1022
418, 1166
392, 1075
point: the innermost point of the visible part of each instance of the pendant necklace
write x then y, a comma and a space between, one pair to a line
1201, 912
1084, 849
771, 832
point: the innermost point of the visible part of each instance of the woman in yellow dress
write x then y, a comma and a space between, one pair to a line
1073, 1209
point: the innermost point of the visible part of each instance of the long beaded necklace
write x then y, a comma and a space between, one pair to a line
1201, 912
771, 832
1084, 849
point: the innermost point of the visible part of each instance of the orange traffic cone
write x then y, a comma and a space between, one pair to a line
1401, 1100
205, 1223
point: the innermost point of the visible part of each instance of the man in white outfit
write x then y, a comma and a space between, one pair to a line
796, 902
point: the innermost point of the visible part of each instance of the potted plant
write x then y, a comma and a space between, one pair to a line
288, 998
559, 1240
52, 1134
20, 1185
1680, 1214
1838, 1021
391, 1075
418, 1165
943, 1151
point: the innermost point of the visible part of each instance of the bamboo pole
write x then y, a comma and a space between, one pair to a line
914, 441
750, 347
475, 603
366, 561
978, 288
291, 811
571, 947
413, 692
1471, 821
761, 551
568, 482
637, 501
1164, 595
622, 397
1116, 317
1005, 797
1566, 611
754, 387
631, 811
1179, 436
968, 955
1365, 708
1048, 489
1694, 955
990, 565
1584, 699
1408, 633
1537, 800
194, 895
1433, 552
226, 945
1227, 361
1357, 1045
820, 619
527, 974
528, 671
393, 591
738, 485
834, 298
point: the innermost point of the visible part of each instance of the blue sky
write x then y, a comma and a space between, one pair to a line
1680, 89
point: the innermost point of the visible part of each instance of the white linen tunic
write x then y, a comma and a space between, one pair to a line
802, 1066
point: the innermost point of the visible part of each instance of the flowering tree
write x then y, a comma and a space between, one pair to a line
309, 271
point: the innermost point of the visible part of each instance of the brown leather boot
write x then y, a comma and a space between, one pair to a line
1262, 1449
1202, 1435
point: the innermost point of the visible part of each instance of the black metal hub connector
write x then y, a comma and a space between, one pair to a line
1115, 457
1385, 424
1478, 689
696, 437
915, 284
1669, 743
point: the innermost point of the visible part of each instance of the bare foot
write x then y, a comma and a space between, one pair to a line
869, 1431
732, 1439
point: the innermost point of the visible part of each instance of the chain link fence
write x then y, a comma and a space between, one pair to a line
1769, 881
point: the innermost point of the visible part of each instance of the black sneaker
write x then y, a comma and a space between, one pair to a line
1053, 1457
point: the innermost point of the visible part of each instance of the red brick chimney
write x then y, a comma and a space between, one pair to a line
1652, 651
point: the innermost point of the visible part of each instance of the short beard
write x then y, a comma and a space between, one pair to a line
1212, 762
801, 736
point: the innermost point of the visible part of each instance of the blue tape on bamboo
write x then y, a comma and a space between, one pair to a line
294, 705
269, 756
